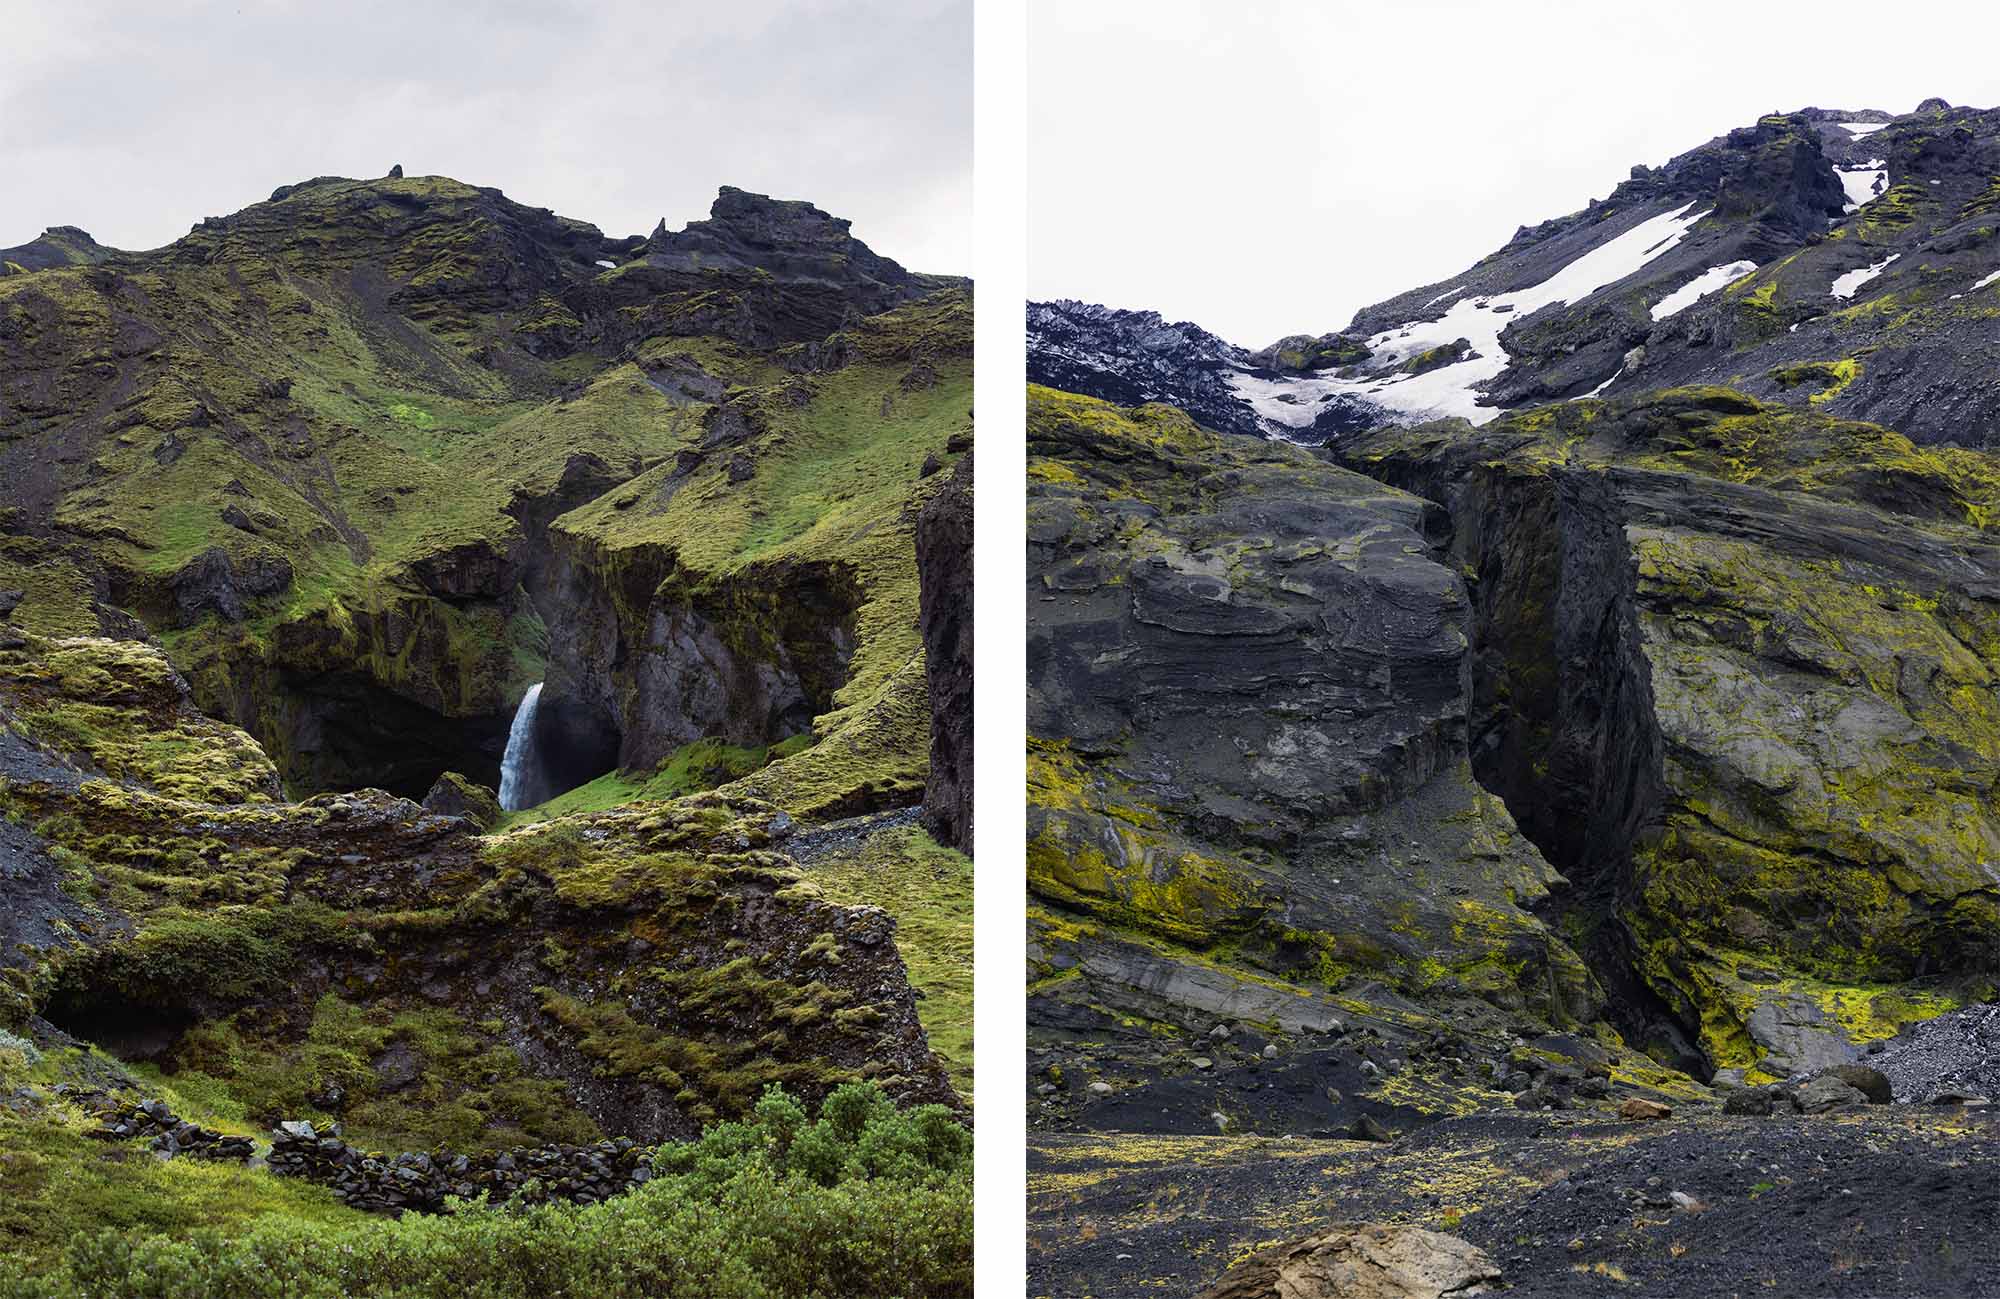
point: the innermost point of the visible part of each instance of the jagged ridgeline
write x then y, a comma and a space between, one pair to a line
299, 508
1585, 664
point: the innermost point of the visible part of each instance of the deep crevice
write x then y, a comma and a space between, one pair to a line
1561, 725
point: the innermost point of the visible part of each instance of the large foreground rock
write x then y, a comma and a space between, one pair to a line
1371, 1260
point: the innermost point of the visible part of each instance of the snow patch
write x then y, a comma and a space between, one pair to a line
1455, 389
1606, 384
1859, 129
609, 266
1845, 285
1448, 293
1715, 277
1862, 183
1983, 283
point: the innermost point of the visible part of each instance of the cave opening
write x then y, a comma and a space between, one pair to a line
341, 731
135, 1031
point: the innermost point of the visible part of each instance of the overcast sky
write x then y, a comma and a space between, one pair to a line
136, 120
1266, 167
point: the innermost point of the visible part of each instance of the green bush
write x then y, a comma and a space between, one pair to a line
866, 1200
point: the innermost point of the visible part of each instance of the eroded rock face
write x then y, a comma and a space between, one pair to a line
1737, 683
944, 569
752, 660
1369, 1260
1247, 716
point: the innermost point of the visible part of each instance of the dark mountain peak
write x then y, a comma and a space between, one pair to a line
1934, 105
789, 239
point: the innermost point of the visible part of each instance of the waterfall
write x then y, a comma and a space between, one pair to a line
517, 769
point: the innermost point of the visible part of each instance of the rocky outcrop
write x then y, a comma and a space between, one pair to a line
787, 239
944, 571
56, 246
454, 795
1370, 1260
1734, 681
659, 662
1248, 736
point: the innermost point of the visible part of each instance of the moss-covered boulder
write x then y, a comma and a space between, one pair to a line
454, 795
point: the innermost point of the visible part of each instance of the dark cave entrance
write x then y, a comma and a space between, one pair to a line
134, 1031
343, 731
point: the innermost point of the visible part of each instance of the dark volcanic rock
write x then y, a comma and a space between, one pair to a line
786, 238
225, 584
454, 795
1247, 727
944, 569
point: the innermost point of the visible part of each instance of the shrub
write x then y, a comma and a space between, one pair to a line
866, 1200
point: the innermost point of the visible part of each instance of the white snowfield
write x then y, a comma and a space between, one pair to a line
1710, 280
1983, 283
1862, 183
609, 266
1859, 129
1455, 389
1845, 286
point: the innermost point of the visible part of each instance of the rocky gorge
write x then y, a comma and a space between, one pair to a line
1536, 791
301, 508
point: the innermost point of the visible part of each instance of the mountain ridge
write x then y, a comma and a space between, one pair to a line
1780, 195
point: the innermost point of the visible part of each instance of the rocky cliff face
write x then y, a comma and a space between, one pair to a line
1651, 732
1737, 686
1250, 794
944, 567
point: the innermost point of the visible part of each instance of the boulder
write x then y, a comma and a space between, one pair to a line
1639, 1108
1758, 1102
1369, 1260
455, 795
1827, 1092
1872, 1083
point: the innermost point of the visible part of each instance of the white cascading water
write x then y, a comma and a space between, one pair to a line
514, 766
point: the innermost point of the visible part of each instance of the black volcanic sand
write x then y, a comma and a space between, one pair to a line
1900, 1202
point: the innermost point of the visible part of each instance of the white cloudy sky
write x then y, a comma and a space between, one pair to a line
1266, 167
136, 120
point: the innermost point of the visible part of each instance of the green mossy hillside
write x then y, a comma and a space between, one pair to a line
807, 502
355, 958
